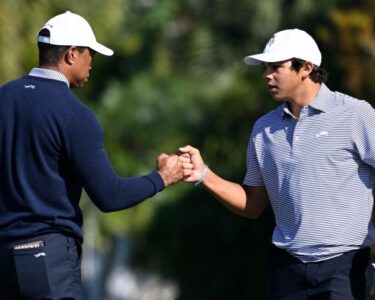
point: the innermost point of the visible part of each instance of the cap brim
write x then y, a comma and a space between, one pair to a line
102, 49
257, 59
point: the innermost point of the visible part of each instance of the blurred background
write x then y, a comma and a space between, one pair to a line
178, 77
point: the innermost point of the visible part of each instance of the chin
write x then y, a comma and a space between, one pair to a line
75, 85
277, 97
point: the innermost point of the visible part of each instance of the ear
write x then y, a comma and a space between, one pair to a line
70, 55
306, 69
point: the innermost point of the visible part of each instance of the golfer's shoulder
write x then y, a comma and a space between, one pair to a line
272, 117
12, 84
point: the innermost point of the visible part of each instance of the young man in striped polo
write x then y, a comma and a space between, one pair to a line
313, 158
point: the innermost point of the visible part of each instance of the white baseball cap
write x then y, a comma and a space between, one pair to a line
69, 29
287, 44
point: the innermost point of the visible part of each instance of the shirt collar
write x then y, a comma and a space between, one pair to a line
49, 74
322, 101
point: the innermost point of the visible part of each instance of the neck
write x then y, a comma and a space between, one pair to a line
51, 67
303, 96
59, 68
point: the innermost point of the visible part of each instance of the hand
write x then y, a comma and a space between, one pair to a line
193, 171
170, 168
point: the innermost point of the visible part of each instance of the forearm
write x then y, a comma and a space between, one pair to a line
90, 164
248, 201
123, 192
230, 194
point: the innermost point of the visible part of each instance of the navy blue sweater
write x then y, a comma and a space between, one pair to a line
51, 146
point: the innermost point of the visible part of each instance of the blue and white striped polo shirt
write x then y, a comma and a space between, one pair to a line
319, 174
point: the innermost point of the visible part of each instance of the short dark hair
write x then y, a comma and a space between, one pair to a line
318, 74
50, 55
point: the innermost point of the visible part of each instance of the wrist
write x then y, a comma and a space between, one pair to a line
203, 176
164, 178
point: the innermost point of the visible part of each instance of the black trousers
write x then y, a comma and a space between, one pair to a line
43, 267
346, 277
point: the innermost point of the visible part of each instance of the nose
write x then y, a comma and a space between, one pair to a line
267, 73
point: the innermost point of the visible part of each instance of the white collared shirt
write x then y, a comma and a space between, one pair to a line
49, 74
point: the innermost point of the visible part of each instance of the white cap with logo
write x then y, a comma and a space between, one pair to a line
287, 44
69, 29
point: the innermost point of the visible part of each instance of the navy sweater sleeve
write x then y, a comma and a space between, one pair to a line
51, 148
105, 188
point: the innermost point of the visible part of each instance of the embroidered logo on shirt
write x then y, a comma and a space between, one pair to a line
322, 133
30, 86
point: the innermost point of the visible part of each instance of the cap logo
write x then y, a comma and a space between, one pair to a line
271, 41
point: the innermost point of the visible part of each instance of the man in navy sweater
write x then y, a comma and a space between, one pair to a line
51, 146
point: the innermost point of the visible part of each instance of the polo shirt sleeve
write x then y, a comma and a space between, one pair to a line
106, 189
364, 132
253, 175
